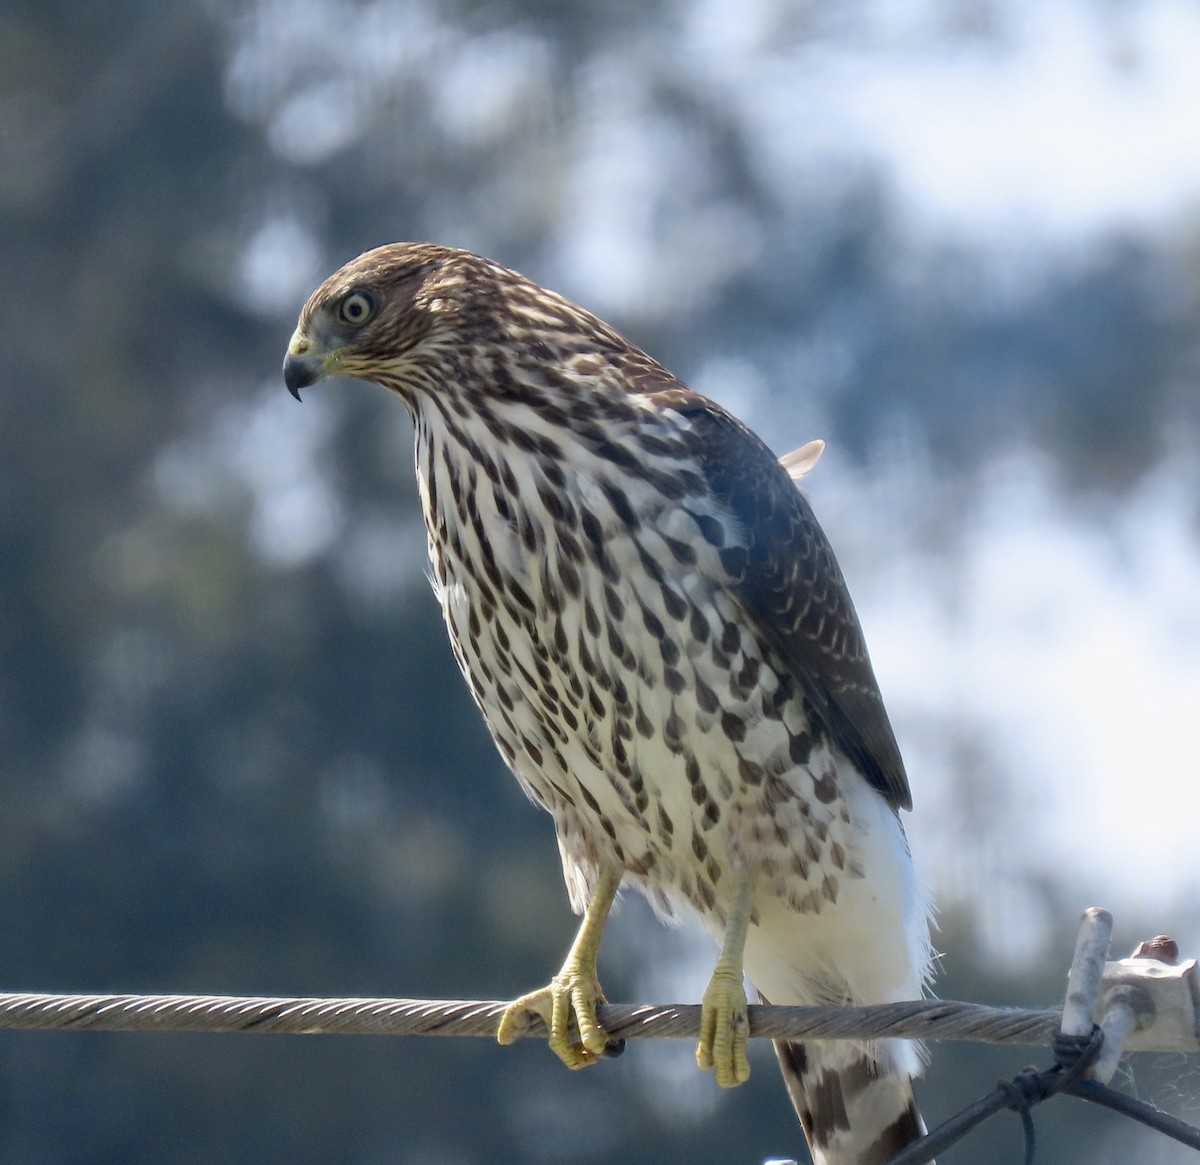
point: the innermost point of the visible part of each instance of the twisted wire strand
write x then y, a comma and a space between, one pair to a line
928, 1019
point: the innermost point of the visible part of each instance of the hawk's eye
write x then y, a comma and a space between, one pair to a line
356, 308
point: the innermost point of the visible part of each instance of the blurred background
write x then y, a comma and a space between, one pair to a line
958, 240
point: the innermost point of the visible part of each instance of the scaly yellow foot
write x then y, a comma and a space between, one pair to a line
571, 997
724, 1020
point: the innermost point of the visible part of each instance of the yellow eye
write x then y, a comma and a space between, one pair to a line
356, 308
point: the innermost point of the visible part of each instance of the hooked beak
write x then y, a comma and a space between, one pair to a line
303, 365
299, 372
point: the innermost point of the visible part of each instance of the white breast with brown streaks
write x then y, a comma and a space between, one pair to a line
622, 683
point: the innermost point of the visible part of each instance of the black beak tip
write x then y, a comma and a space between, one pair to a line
299, 373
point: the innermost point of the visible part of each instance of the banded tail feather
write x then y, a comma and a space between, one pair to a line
854, 1109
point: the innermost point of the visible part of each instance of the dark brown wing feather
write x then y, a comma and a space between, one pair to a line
789, 582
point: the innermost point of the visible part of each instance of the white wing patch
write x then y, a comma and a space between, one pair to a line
800, 462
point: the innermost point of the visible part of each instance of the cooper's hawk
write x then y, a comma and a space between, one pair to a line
660, 639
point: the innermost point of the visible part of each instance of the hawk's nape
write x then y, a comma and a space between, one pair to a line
658, 635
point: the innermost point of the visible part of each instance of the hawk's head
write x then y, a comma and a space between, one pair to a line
367, 318
413, 315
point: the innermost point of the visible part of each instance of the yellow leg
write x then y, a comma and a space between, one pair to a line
572, 993
724, 1020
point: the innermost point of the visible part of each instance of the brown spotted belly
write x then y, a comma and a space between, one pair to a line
633, 700
685, 776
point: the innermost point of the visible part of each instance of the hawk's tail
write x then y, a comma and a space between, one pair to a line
856, 1109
